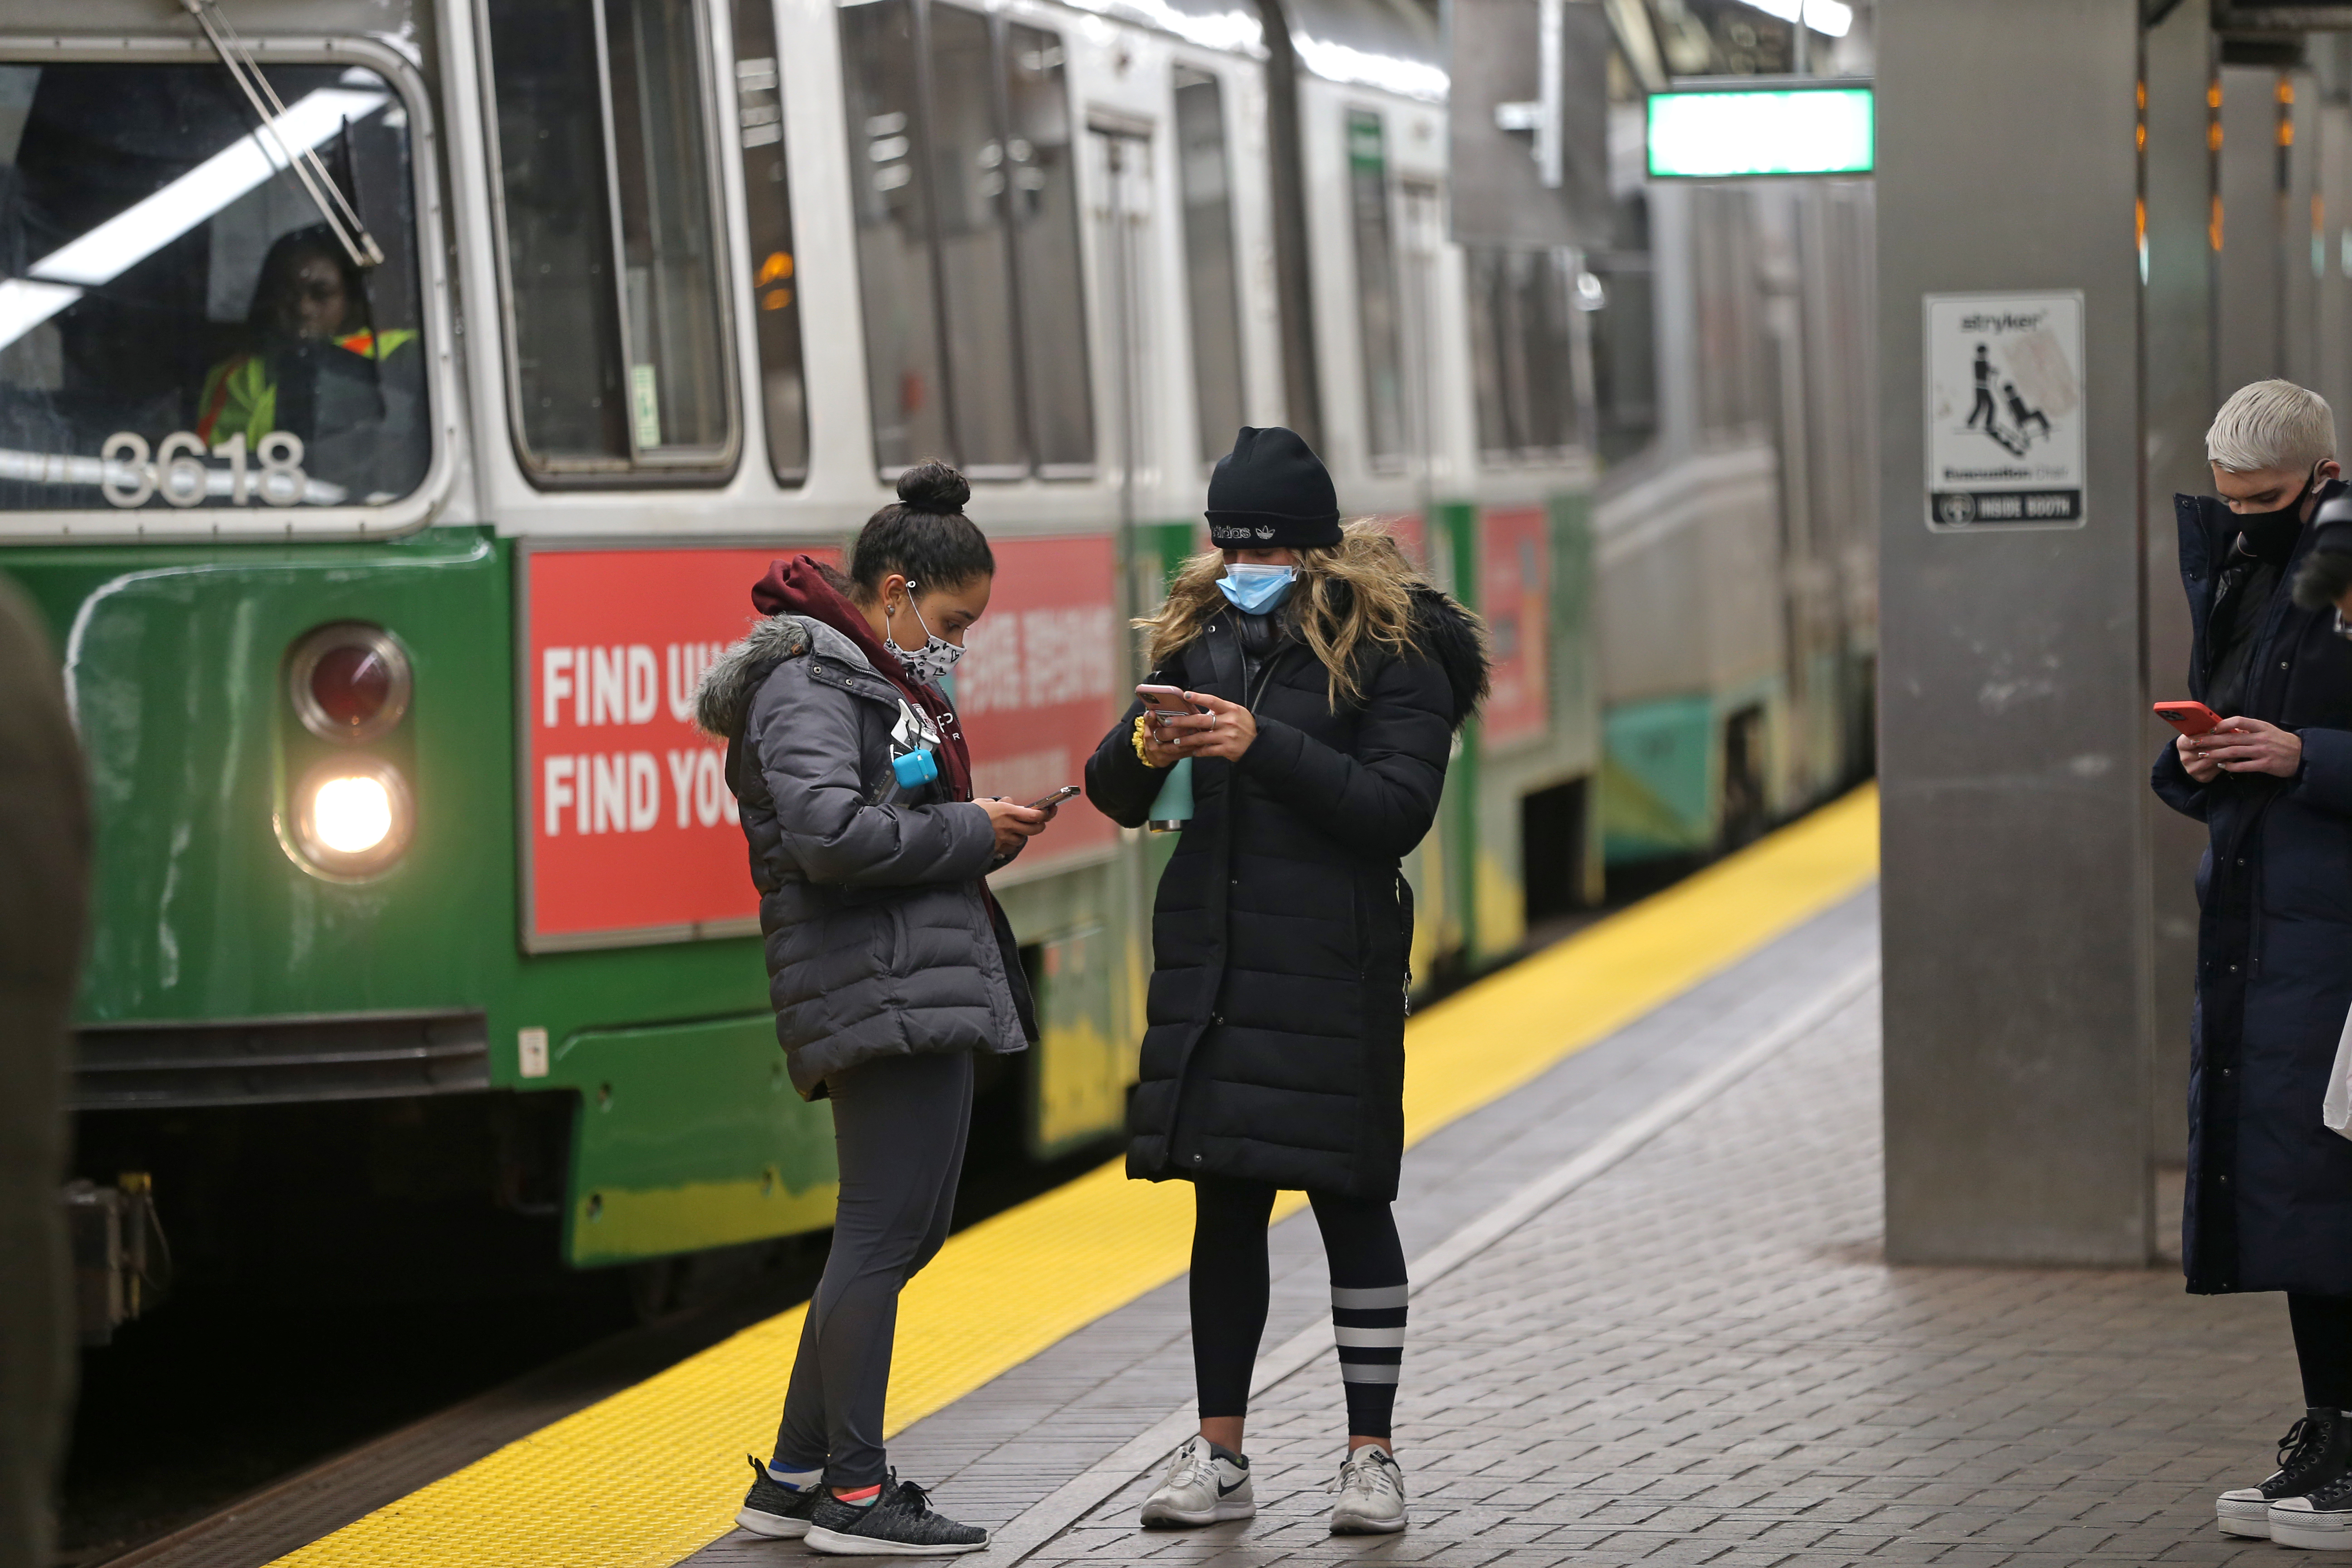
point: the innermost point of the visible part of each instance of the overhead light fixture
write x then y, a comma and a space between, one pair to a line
1778, 129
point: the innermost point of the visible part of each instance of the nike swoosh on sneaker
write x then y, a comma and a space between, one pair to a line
1224, 1491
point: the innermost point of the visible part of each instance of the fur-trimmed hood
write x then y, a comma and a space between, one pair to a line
1455, 640
731, 683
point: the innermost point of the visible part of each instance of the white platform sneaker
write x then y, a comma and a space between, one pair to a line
2319, 1522
2314, 1453
1203, 1486
1372, 1494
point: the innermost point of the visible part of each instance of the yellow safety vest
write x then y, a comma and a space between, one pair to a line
240, 395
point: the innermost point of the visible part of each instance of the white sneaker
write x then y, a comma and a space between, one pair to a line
1372, 1494
2320, 1523
1203, 1487
2312, 1456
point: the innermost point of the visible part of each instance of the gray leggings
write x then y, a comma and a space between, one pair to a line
898, 1128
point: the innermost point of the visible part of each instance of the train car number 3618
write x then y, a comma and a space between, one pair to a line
271, 472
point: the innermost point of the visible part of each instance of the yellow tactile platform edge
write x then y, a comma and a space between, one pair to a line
653, 1474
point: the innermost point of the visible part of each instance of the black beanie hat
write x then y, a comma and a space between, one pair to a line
1271, 492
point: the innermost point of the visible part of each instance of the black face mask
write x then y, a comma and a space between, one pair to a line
2270, 535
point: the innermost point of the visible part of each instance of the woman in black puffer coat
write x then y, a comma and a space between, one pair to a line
1324, 680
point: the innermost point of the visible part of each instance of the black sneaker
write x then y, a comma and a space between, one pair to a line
899, 1523
2315, 1451
774, 1510
2319, 1521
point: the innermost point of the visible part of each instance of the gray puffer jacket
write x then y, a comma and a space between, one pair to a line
881, 938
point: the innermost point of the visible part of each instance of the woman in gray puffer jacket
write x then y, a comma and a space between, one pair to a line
889, 962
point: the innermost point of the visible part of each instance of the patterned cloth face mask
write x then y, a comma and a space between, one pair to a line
930, 662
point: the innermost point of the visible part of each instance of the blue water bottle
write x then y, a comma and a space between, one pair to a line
1173, 807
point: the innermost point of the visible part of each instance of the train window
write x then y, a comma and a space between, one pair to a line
1212, 269
1042, 163
180, 326
620, 351
1523, 356
904, 387
968, 251
1497, 369
1377, 305
1493, 358
768, 203
1730, 348
1624, 355
1546, 280
970, 170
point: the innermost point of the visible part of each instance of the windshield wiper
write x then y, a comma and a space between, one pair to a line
325, 194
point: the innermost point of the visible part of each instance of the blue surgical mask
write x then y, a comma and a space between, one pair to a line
1255, 590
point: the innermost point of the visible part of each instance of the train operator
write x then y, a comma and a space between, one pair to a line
888, 961
2270, 1188
315, 367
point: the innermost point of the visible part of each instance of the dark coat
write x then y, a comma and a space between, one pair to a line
2270, 1187
1274, 1050
881, 937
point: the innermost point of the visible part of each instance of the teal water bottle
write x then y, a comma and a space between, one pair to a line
1172, 808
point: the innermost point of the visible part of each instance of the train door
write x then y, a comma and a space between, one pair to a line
1421, 233
1121, 156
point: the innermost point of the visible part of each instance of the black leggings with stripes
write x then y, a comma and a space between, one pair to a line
1230, 1285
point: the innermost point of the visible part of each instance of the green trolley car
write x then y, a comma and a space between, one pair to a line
398, 397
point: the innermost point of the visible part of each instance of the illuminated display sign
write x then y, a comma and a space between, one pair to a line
1706, 135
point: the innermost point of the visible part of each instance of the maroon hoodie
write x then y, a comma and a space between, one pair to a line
798, 587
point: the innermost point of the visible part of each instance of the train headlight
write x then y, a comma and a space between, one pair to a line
353, 817
349, 681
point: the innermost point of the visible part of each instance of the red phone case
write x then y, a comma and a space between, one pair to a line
2188, 718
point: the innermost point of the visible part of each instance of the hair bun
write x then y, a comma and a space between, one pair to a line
935, 487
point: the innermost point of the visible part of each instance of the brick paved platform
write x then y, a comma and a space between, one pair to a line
1695, 1356
1700, 1358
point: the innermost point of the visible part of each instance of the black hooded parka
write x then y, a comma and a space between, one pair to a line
1274, 1050
2269, 1202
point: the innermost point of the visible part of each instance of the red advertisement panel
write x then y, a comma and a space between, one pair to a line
1514, 593
630, 826
1039, 683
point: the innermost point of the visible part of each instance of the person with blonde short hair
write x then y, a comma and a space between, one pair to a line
2268, 1203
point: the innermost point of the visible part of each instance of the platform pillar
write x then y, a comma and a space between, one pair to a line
2012, 685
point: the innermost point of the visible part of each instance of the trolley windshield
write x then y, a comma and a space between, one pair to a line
181, 324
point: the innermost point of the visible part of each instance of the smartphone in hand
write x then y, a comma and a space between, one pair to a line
2188, 718
1056, 798
1166, 701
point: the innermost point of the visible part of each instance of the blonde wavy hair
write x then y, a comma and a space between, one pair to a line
1351, 598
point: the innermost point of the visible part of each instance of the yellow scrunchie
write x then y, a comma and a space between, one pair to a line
1141, 722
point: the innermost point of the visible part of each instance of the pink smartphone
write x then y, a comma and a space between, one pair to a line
1168, 702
